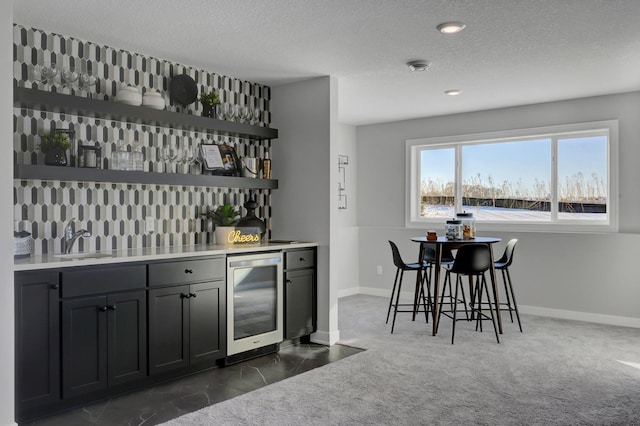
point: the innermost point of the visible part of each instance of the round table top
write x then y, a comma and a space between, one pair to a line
444, 240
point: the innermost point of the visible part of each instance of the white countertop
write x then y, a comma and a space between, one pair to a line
145, 254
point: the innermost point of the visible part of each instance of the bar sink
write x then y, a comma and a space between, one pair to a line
82, 256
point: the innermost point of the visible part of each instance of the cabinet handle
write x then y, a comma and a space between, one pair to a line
103, 308
192, 295
188, 271
112, 307
302, 259
289, 281
54, 286
184, 296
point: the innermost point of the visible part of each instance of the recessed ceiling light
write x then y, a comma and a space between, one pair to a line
450, 27
453, 92
420, 65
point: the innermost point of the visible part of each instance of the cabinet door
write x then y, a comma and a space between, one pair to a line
37, 340
127, 337
207, 331
84, 345
168, 329
299, 302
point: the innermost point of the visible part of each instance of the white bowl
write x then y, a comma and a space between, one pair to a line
129, 95
153, 99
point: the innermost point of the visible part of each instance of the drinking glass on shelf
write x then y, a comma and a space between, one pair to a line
195, 167
69, 76
170, 158
87, 81
220, 112
178, 158
256, 116
120, 157
160, 167
49, 73
231, 112
243, 114
35, 73
186, 160
136, 157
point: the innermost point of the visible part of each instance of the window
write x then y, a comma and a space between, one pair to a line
559, 178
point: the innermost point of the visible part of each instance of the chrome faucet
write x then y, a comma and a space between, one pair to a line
70, 236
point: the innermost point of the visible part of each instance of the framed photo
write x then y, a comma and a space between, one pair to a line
219, 160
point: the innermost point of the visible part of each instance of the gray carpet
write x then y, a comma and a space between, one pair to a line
557, 372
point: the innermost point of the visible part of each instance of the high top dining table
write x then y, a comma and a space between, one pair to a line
443, 243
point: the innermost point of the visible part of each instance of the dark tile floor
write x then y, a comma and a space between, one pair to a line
170, 400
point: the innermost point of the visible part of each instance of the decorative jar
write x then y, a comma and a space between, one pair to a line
153, 99
453, 229
468, 225
129, 95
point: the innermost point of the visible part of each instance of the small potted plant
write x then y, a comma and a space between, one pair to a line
209, 101
224, 219
54, 145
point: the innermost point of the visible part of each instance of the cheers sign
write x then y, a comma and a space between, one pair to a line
242, 236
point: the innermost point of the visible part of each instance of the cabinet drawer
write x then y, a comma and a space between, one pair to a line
102, 280
185, 271
296, 259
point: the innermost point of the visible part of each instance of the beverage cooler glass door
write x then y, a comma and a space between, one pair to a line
255, 301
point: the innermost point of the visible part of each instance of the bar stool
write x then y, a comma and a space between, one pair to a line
429, 256
401, 267
472, 260
503, 264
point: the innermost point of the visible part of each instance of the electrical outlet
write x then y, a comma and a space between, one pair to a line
149, 224
379, 269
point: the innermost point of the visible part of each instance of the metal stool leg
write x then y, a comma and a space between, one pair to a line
493, 320
455, 309
395, 282
484, 288
395, 309
447, 279
478, 291
429, 301
426, 300
506, 292
513, 297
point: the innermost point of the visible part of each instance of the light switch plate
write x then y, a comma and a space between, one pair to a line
149, 224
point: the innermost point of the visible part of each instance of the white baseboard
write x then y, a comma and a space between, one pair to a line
348, 292
581, 316
532, 310
405, 296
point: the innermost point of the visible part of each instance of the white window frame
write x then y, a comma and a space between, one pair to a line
412, 185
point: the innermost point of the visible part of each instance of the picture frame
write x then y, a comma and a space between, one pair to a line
219, 159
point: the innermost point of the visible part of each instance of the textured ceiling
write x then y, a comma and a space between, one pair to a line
512, 52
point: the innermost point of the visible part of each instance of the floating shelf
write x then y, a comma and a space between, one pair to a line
27, 172
111, 110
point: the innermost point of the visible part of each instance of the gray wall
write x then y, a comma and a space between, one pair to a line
344, 223
301, 205
584, 276
6, 214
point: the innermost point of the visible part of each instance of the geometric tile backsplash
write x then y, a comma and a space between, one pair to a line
113, 213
